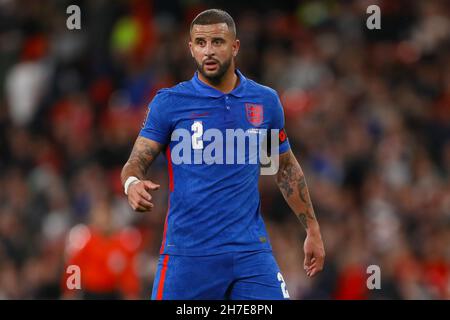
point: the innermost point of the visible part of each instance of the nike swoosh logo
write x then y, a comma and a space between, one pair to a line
199, 115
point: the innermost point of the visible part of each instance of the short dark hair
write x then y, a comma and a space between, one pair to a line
213, 16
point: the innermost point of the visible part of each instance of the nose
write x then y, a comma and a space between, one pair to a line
209, 49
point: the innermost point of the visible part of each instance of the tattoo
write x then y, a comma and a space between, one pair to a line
285, 180
302, 218
302, 188
143, 154
304, 195
289, 178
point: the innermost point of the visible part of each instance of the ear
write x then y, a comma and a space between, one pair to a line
190, 48
236, 46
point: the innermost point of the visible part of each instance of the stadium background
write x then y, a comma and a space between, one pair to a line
367, 114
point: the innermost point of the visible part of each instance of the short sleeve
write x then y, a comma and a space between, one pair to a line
278, 123
157, 125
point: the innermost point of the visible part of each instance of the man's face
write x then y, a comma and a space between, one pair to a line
213, 47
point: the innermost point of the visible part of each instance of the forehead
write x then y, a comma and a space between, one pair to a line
210, 30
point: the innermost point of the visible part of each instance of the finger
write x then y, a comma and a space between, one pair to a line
307, 261
315, 269
313, 272
312, 263
150, 185
144, 203
140, 208
318, 263
144, 194
309, 267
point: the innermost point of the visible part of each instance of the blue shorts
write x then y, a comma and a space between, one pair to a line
235, 276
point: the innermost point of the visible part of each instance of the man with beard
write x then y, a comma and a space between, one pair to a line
215, 244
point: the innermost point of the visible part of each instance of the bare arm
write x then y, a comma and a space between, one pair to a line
292, 183
143, 154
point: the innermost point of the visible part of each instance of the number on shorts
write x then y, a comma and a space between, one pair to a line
283, 286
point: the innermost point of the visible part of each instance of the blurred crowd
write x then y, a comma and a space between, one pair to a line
367, 114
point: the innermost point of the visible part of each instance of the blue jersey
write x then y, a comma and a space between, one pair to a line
213, 208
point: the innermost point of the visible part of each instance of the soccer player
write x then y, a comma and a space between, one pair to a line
215, 244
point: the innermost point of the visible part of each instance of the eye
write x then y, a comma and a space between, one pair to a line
201, 42
217, 42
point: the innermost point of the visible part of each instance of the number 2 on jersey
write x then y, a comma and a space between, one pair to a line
197, 129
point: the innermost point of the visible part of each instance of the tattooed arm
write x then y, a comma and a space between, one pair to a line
292, 183
143, 153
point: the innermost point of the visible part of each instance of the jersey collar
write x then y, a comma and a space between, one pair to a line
209, 91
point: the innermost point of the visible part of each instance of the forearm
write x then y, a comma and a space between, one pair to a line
132, 169
143, 154
292, 184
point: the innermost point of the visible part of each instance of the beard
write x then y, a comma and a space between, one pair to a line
216, 76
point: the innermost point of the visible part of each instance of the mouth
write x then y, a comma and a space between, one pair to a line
210, 65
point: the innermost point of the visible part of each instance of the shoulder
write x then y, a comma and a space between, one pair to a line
170, 97
262, 90
179, 90
270, 99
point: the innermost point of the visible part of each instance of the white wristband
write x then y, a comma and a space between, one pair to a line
129, 182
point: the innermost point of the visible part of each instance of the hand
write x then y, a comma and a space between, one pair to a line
314, 254
139, 197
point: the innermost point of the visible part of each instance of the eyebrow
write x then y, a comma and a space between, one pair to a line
198, 38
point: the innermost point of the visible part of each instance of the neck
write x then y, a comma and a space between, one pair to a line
228, 82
